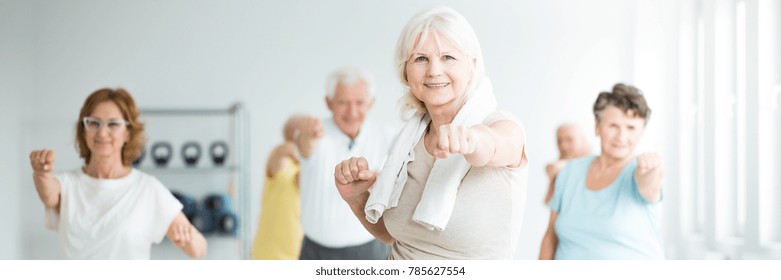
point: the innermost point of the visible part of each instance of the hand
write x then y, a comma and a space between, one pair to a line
648, 163
455, 139
311, 127
182, 234
649, 176
353, 178
279, 157
553, 168
42, 161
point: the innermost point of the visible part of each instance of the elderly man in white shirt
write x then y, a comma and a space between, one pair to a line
331, 231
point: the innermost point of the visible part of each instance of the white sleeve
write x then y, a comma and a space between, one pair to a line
165, 208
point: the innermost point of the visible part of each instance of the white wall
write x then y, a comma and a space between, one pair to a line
15, 82
547, 59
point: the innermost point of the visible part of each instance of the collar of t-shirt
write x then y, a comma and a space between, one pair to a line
344, 140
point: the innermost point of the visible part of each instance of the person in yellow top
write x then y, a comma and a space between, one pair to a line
279, 235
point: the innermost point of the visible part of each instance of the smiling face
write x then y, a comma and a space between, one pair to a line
107, 141
349, 107
619, 132
438, 73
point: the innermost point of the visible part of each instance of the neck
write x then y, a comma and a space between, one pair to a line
351, 135
106, 168
443, 114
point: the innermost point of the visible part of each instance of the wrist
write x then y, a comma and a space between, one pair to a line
42, 174
357, 201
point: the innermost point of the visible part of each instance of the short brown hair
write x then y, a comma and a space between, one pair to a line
137, 137
624, 97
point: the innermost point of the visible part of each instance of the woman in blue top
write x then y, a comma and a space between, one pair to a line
606, 206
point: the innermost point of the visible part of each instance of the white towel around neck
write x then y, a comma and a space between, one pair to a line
439, 195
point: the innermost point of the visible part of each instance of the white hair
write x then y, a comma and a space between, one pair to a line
348, 76
450, 25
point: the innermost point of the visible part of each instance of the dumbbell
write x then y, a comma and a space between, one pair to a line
189, 205
205, 221
219, 211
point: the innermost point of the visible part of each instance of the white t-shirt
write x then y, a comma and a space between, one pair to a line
111, 218
325, 216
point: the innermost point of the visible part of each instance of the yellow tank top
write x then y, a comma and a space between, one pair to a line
279, 232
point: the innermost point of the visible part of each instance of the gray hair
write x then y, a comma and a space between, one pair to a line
348, 76
454, 28
624, 97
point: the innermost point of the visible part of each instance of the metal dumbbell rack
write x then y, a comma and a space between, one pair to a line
170, 124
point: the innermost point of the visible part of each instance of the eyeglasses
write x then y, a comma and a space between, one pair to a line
94, 124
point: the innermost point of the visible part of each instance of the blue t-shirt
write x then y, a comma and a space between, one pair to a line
612, 223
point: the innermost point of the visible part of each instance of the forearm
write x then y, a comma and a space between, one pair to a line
651, 192
378, 230
548, 247
496, 148
306, 144
197, 246
650, 187
551, 188
48, 189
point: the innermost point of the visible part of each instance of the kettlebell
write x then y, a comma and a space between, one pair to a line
190, 158
219, 151
162, 158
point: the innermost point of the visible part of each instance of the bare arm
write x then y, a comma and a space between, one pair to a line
378, 230
550, 241
279, 157
353, 179
551, 189
552, 170
46, 185
186, 237
500, 144
305, 132
649, 176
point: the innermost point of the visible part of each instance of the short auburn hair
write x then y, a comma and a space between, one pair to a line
137, 137
624, 97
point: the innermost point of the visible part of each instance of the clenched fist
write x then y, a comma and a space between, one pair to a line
353, 178
455, 139
649, 176
648, 163
42, 161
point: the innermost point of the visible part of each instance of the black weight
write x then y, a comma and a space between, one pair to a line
189, 205
228, 223
219, 151
137, 162
162, 160
191, 161
216, 202
205, 221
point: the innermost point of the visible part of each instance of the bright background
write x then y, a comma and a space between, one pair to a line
695, 60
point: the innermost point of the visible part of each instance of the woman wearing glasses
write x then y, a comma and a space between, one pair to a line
107, 209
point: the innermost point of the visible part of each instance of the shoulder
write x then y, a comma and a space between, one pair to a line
501, 115
144, 179
69, 177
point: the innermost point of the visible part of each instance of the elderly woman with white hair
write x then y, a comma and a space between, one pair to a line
454, 184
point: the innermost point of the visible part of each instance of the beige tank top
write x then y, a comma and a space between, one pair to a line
486, 219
